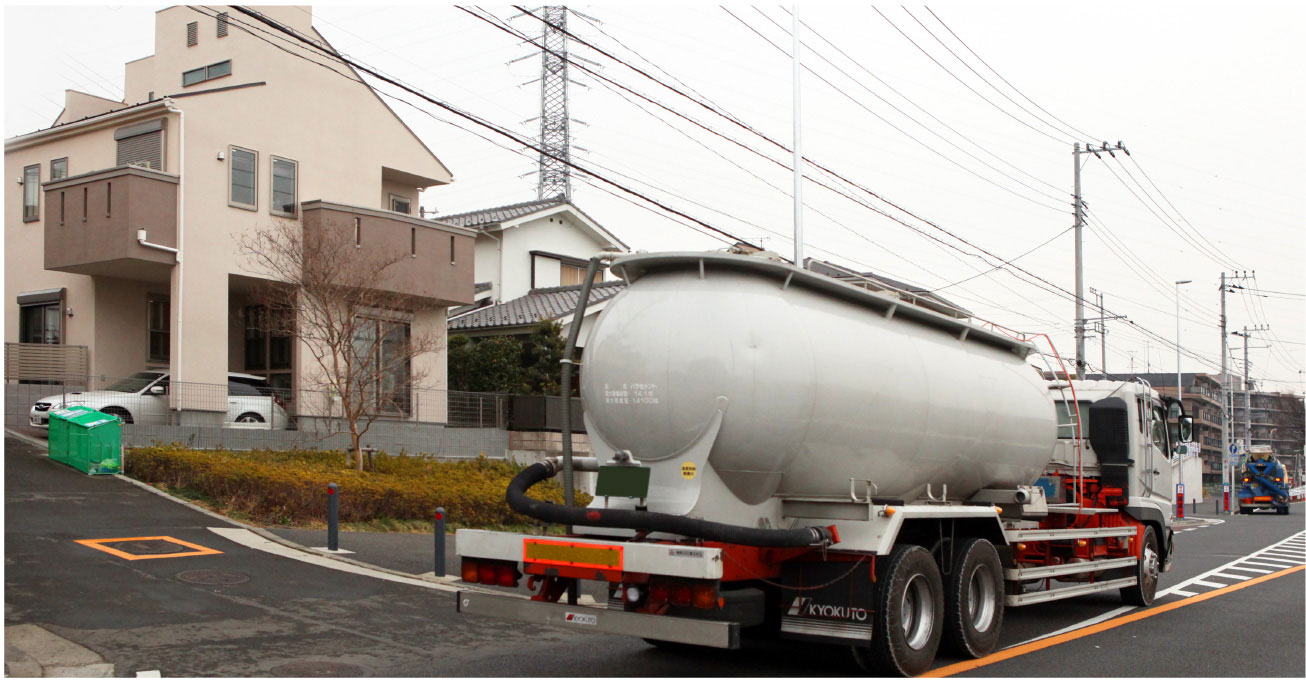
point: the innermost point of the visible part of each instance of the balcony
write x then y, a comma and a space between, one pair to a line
91, 223
432, 260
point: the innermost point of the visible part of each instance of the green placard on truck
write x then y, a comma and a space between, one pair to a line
623, 481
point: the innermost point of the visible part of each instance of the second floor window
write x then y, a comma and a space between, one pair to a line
400, 204
59, 168
193, 76
284, 176
244, 175
31, 193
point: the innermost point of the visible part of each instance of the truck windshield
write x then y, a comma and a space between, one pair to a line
134, 383
1066, 419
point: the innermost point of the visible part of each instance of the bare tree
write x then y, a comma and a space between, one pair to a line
337, 299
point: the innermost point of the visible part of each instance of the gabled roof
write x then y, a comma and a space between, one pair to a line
514, 214
493, 216
544, 303
915, 294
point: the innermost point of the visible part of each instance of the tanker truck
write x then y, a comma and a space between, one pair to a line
783, 454
1264, 483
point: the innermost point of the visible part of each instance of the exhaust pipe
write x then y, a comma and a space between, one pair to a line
648, 520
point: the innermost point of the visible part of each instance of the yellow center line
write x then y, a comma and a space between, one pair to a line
1032, 646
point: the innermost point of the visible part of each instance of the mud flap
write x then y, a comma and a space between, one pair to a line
828, 602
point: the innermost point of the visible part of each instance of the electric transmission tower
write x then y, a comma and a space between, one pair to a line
555, 116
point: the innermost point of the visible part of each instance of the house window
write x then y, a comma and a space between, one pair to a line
574, 275
244, 175
267, 342
192, 34
400, 204
218, 70
284, 176
158, 315
222, 24
141, 144
31, 193
381, 349
40, 318
59, 168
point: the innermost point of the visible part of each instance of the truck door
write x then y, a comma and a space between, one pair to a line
1155, 472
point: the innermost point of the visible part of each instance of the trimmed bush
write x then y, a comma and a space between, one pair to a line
290, 486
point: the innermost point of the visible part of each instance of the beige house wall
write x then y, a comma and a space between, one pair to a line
349, 146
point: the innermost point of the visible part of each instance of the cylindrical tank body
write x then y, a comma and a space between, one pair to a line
818, 382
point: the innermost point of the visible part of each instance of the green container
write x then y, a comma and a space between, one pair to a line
87, 440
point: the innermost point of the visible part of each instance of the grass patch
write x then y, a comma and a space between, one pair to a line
289, 488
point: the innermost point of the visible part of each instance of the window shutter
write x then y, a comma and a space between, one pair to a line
192, 34
142, 150
222, 25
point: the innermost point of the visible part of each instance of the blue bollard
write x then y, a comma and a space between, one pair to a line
333, 518
439, 542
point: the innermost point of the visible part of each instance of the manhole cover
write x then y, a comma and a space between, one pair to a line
213, 577
147, 547
313, 668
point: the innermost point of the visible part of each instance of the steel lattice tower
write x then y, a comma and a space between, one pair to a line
555, 133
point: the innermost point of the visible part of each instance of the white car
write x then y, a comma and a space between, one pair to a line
143, 399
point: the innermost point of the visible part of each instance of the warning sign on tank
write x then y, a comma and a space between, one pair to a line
688, 470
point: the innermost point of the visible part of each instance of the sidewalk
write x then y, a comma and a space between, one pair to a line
412, 554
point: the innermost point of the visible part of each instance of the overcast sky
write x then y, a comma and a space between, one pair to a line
1210, 100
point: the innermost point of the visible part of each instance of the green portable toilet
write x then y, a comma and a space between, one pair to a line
87, 440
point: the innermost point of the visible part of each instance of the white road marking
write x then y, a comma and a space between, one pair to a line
1202, 582
151, 674
1229, 576
1178, 592
1247, 569
1079, 625
1272, 556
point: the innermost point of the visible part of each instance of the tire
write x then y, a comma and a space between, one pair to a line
120, 413
249, 417
1148, 572
1245, 511
973, 604
908, 616
1282, 510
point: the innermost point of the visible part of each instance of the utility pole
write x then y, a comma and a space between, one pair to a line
1247, 383
1178, 351
1101, 327
798, 142
1079, 246
1226, 398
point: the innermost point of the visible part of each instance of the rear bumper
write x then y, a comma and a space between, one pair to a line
587, 619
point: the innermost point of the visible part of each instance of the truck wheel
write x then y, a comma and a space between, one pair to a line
1283, 510
974, 603
1148, 571
1245, 511
908, 614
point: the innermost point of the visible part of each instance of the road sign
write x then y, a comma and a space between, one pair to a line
1233, 447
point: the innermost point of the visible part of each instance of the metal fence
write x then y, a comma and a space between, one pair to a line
247, 414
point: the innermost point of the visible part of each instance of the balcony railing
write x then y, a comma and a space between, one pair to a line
93, 220
432, 260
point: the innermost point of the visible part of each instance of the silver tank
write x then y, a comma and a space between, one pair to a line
772, 381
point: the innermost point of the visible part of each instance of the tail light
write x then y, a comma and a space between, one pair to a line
681, 595
278, 401
1247, 479
506, 574
658, 594
485, 573
705, 596
470, 571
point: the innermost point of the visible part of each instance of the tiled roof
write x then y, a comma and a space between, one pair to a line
544, 303
491, 216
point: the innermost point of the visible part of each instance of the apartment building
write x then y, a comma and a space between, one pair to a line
124, 236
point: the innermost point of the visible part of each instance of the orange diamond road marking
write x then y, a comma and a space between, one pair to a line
99, 544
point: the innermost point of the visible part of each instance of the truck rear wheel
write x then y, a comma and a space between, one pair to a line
908, 615
1148, 572
974, 602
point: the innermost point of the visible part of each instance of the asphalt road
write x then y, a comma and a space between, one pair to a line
272, 616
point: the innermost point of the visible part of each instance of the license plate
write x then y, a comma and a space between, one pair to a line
572, 554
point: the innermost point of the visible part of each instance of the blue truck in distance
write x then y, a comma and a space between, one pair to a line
1264, 483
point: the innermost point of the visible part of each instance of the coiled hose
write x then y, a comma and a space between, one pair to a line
653, 522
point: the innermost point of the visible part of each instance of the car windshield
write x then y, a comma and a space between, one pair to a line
134, 383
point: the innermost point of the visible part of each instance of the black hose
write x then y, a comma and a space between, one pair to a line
654, 522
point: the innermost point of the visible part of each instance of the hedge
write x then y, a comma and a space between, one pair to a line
289, 486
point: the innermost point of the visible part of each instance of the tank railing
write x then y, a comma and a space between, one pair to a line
941, 499
872, 490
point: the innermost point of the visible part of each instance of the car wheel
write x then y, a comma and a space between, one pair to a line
249, 417
974, 600
1148, 572
120, 413
908, 617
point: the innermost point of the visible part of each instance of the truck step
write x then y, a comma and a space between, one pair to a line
1069, 591
1079, 533
1074, 509
1069, 568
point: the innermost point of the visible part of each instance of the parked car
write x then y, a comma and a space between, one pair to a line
142, 398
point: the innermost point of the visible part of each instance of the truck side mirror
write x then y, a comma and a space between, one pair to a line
157, 390
1186, 429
